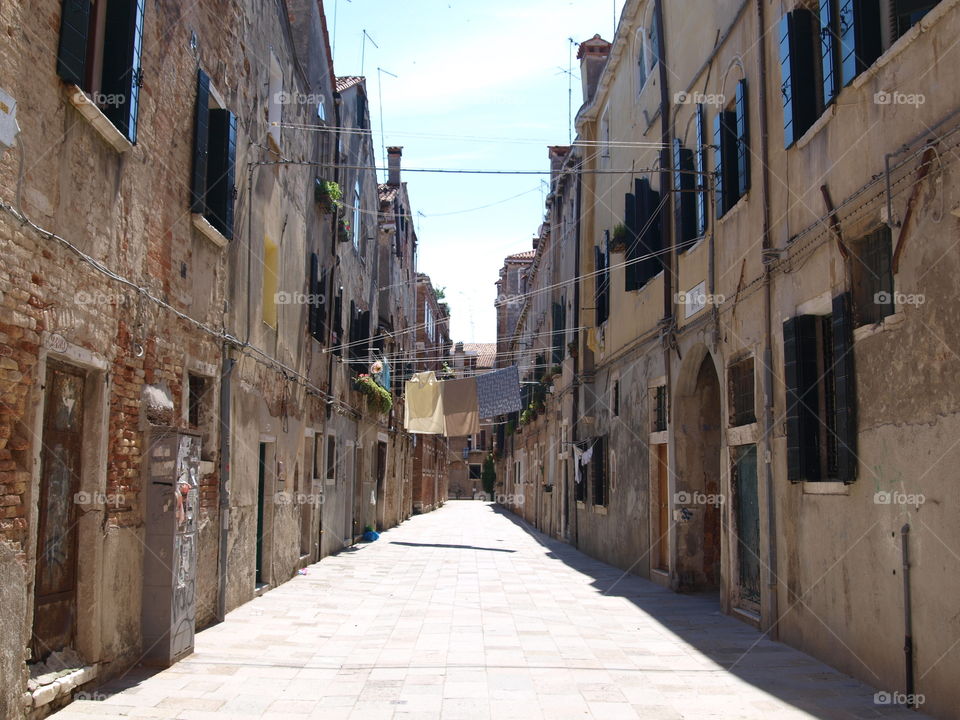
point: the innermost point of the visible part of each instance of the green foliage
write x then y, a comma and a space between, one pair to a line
378, 398
618, 241
488, 475
327, 194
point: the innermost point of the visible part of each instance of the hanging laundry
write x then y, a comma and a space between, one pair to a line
577, 454
423, 409
498, 392
586, 456
461, 415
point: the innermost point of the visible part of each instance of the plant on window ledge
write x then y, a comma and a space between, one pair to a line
344, 233
378, 398
327, 194
618, 242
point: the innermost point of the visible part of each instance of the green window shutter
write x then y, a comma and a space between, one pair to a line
201, 131
630, 217
650, 244
313, 308
221, 171
802, 404
684, 200
742, 112
701, 168
829, 50
718, 165
845, 400
860, 36
72, 52
122, 74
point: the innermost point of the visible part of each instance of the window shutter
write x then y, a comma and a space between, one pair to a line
743, 139
337, 321
630, 218
72, 53
320, 290
829, 50
313, 307
221, 162
122, 77
800, 376
201, 129
718, 147
599, 472
725, 155
701, 178
602, 280
684, 200
845, 401
859, 34
650, 242
797, 63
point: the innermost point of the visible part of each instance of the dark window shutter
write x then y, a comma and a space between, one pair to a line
221, 170
845, 401
320, 290
598, 466
201, 130
650, 242
802, 404
859, 34
313, 307
743, 139
72, 53
337, 320
725, 157
630, 217
829, 50
122, 77
701, 178
602, 280
558, 333
684, 201
718, 166
797, 64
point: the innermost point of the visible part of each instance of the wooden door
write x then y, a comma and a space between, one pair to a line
55, 593
663, 509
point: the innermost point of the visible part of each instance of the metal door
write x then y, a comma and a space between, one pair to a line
55, 593
747, 509
261, 498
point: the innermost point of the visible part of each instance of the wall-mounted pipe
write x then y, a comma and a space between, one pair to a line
224, 492
907, 616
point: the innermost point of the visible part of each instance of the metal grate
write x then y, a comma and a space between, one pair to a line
660, 409
741, 392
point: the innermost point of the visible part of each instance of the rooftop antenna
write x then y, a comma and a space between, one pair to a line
336, 6
383, 141
570, 76
363, 51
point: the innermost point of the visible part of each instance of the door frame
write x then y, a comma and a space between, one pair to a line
93, 480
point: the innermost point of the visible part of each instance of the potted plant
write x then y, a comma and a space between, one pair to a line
379, 399
344, 233
327, 194
618, 241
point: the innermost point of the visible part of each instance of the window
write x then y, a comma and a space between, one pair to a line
214, 160
872, 275
598, 472
799, 37
616, 398
731, 139
321, 109
475, 471
644, 241
271, 280
820, 398
196, 399
605, 139
701, 176
907, 13
559, 331
100, 49
331, 458
580, 480
316, 468
356, 216
641, 58
740, 383
601, 260
316, 299
359, 346
684, 199
659, 409
275, 99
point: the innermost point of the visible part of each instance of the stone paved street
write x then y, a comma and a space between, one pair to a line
464, 613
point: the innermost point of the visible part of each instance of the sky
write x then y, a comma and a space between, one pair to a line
480, 84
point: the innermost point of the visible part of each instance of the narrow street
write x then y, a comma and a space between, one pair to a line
467, 613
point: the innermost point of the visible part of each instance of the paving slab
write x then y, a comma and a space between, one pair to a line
467, 613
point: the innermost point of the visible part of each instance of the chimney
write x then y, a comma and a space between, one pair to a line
393, 163
592, 56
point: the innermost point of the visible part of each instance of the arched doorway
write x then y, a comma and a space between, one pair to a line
698, 500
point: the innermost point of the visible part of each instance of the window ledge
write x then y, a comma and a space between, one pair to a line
827, 487
743, 434
741, 203
209, 231
890, 322
818, 125
907, 39
580, 504
600, 509
658, 438
100, 122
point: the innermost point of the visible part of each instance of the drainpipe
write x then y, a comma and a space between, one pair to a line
224, 492
571, 490
772, 585
907, 615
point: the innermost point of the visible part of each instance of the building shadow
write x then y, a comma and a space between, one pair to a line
454, 547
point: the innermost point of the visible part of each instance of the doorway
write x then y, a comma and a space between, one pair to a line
746, 506
261, 499
55, 586
661, 510
698, 497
